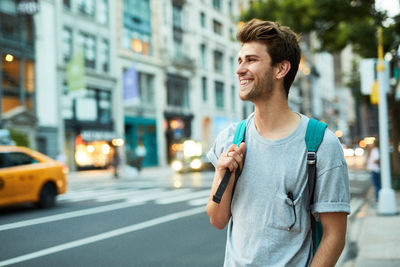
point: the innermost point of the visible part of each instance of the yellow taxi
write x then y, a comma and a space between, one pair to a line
29, 176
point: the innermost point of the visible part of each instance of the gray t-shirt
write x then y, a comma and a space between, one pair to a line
262, 212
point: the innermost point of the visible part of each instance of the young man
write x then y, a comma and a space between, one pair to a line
268, 214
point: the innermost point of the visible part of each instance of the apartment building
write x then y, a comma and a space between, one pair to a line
176, 72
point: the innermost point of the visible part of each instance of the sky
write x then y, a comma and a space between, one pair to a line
391, 6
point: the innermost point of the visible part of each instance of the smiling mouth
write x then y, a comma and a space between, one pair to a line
244, 82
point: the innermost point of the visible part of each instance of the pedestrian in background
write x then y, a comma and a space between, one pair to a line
374, 168
140, 154
115, 161
262, 229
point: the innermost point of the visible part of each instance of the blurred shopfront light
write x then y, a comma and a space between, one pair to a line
105, 148
90, 148
9, 58
339, 133
118, 142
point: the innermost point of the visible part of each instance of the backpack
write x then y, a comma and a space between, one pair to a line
314, 135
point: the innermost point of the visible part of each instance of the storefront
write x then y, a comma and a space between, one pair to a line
178, 128
17, 62
141, 132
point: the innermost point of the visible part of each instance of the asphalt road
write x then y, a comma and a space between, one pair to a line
114, 223
109, 222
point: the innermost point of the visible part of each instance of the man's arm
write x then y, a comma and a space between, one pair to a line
220, 213
334, 226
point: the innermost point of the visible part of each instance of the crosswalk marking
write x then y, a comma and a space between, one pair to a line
183, 197
138, 196
198, 202
136, 193
158, 196
90, 194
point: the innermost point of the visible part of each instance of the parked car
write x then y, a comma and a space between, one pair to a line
29, 176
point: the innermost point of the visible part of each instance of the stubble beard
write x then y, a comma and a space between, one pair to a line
262, 89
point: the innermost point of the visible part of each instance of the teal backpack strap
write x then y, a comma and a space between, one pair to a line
239, 132
237, 139
314, 136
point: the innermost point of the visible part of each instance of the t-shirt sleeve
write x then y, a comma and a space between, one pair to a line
332, 192
222, 143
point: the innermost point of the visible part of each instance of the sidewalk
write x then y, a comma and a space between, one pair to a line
374, 240
125, 173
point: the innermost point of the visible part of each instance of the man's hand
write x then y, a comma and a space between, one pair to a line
231, 159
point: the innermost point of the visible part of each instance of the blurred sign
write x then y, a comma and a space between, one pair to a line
89, 136
76, 73
28, 7
369, 75
131, 86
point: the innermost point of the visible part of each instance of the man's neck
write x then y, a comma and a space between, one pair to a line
274, 119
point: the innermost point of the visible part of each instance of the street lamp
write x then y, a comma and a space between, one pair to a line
387, 199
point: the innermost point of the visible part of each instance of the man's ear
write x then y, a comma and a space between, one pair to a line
282, 69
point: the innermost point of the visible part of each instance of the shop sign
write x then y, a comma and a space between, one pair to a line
98, 135
28, 7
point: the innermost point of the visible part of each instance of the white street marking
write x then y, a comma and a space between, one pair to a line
183, 197
198, 202
103, 236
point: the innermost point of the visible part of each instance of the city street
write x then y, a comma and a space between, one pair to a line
150, 220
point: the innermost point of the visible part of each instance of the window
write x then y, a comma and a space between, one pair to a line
177, 30
218, 61
203, 20
67, 4
67, 44
104, 55
103, 12
104, 107
232, 65
146, 88
203, 59
88, 43
29, 85
230, 7
217, 5
17, 74
204, 88
219, 94
11, 81
86, 7
178, 91
217, 26
137, 26
13, 159
233, 97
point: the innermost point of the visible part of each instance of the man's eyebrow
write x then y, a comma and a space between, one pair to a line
247, 56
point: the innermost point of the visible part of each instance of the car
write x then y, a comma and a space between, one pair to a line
29, 176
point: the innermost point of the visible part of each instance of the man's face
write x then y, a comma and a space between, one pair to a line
254, 71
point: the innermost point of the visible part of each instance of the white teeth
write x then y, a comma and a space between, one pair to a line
244, 82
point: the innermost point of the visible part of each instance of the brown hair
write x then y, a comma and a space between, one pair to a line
282, 44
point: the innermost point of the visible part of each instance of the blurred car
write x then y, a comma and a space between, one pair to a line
189, 157
29, 176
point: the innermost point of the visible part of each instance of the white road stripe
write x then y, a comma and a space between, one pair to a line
157, 193
159, 196
198, 202
103, 236
76, 196
72, 214
123, 195
183, 197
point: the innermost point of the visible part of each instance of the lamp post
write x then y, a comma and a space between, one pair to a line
387, 199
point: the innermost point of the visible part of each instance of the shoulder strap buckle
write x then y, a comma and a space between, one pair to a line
311, 157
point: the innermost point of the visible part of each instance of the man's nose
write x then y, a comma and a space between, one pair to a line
241, 69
